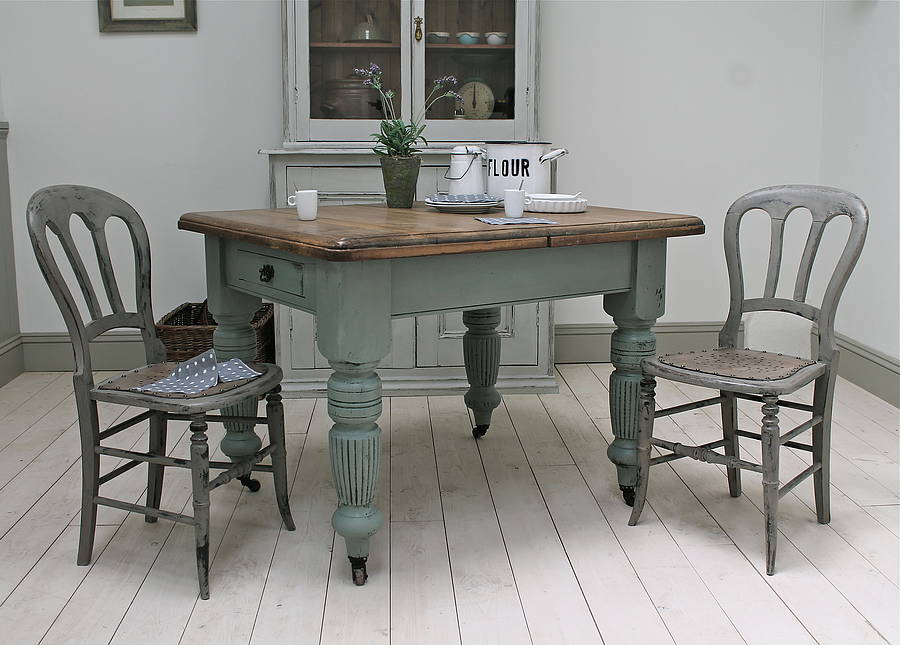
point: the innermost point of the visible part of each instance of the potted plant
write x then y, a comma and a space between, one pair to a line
395, 142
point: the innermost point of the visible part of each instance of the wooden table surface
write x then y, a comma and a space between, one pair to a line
367, 232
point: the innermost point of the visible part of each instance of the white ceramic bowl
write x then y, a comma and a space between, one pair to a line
551, 196
556, 206
496, 37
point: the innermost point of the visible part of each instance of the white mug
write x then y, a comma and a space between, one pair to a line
307, 203
513, 202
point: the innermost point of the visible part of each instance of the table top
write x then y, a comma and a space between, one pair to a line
369, 232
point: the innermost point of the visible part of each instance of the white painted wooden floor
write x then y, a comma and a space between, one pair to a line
518, 538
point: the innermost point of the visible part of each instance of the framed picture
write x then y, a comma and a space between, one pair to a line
147, 15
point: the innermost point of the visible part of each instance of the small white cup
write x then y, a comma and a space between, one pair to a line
307, 203
513, 202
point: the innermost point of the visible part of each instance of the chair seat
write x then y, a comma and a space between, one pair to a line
121, 389
737, 370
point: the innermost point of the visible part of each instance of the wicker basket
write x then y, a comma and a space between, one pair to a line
187, 331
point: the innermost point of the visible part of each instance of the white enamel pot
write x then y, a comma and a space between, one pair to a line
466, 174
523, 165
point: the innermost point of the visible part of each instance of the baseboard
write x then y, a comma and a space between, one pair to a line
52, 351
12, 361
590, 343
868, 368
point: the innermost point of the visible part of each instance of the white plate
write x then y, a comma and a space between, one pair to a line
464, 208
444, 198
557, 206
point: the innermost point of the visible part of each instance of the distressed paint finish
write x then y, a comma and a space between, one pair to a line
770, 448
767, 384
200, 487
233, 338
53, 209
481, 353
371, 264
354, 334
634, 313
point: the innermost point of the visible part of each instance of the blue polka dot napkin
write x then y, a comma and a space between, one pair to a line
200, 373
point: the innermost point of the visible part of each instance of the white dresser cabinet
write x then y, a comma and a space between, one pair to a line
328, 118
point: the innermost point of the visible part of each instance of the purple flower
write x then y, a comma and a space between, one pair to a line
446, 80
455, 95
367, 82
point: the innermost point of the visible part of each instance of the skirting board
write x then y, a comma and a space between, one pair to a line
12, 359
864, 366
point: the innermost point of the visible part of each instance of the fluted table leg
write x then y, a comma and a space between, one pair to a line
634, 312
354, 333
481, 352
354, 404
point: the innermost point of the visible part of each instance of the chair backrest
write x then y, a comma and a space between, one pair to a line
52, 209
779, 202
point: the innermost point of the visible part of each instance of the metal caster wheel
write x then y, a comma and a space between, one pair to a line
358, 570
628, 494
480, 431
252, 485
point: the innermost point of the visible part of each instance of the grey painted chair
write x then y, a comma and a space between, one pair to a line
52, 209
762, 376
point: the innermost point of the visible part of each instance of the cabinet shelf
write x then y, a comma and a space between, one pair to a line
477, 47
337, 45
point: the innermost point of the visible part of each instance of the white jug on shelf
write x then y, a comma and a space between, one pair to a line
466, 174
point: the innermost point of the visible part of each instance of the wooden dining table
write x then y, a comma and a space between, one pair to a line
358, 267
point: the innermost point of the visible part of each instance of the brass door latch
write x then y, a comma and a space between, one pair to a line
418, 28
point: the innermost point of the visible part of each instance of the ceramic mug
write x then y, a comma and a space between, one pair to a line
513, 202
307, 203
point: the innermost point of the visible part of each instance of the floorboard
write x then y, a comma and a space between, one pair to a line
520, 537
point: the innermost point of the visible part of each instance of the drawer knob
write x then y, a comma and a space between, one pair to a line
266, 273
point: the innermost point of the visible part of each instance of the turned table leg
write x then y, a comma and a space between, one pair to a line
233, 338
634, 312
481, 352
354, 333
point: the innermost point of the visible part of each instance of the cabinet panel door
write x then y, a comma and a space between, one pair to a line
300, 334
439, 337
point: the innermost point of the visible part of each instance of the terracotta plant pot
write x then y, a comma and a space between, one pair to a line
400, 175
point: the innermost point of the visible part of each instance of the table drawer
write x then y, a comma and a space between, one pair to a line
270, 276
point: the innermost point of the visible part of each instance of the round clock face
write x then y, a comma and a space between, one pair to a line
477, 100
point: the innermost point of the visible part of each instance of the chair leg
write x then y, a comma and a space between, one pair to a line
275, 415
646, 408
823, 398
770, 449
732, 447
89, 425
200, 483
155, 471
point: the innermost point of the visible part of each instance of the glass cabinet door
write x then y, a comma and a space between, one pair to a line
477, 42
345, 35
487, 45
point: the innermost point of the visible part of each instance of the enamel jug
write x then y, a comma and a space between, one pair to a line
466, 173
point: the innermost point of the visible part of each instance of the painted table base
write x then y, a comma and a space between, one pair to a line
355, 302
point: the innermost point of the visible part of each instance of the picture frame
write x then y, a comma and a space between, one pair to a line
147, 15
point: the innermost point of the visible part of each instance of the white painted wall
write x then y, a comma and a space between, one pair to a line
684, 106
860, 143
170, 122
673, 106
